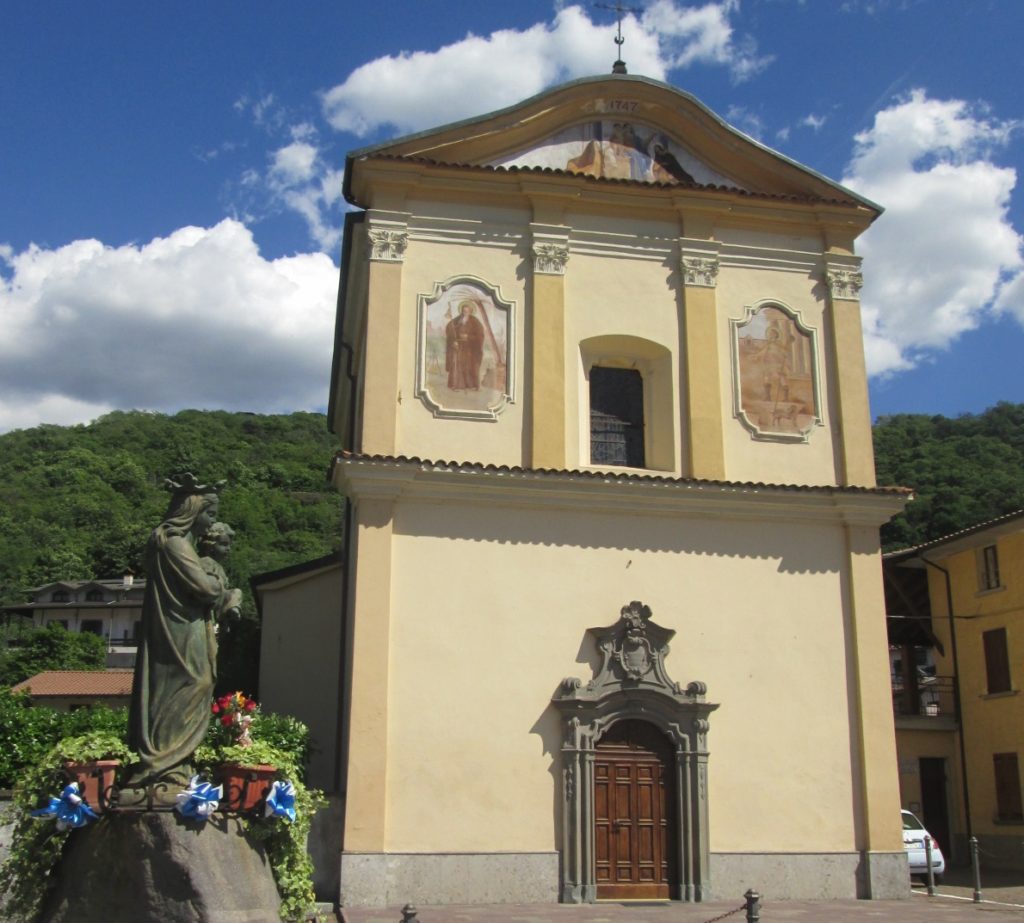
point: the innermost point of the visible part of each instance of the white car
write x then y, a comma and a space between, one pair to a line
913, 842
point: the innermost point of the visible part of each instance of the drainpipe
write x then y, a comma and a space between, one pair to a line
958, 711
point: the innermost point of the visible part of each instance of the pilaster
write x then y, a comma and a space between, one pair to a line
387, 237
877, 798
550, 254
856, 462
699, 261
367, 782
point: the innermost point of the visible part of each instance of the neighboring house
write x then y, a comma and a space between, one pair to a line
66, 690
296, 604
111, 609
599, 381
978, 575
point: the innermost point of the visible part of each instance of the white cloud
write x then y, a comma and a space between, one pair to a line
264, 110
815, 122
944, 254
419, 89
300, 179
703, 35
195, 319
294, 162
748, 122
297, 177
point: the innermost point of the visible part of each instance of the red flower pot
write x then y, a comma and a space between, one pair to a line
245, 786
95, 780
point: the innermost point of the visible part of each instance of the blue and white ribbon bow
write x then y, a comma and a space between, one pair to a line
199, 800
70, 809
281, 801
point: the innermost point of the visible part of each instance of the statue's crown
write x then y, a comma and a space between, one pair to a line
187, 483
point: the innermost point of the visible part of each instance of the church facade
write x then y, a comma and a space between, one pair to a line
613, 622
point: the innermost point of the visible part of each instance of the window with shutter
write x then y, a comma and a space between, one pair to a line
997, 661
1008, 800
989, 568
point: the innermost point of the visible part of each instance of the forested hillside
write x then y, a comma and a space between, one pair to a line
964, 470
80, 501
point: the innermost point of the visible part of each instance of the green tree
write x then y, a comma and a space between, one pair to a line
963, 470
51, 648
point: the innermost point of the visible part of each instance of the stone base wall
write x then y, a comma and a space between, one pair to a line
394, 879
810, 876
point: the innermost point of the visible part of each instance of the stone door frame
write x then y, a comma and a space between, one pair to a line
632, 684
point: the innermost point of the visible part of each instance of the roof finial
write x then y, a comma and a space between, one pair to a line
619, 67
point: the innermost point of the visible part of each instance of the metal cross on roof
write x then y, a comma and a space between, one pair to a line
619, 67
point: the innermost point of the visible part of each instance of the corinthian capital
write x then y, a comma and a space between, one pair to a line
844, 283
700, 271
388, 245
550, 258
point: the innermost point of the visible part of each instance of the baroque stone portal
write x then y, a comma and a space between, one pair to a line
631, 683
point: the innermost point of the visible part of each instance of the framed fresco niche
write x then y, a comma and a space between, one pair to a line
465, 363
776, 392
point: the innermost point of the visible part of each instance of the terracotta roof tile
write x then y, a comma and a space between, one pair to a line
97, 683
567, 473
554, 171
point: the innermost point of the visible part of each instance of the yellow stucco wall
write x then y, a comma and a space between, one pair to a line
300, 678
485, 621
621, 290
765, 460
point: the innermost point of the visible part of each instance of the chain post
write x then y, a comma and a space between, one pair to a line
976, 866
753, 906
928, 864
409, 914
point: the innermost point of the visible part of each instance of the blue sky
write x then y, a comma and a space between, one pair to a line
170, 204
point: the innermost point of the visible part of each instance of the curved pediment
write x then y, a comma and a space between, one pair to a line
615, 127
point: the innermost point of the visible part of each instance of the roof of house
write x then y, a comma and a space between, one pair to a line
1006, 523
93, 683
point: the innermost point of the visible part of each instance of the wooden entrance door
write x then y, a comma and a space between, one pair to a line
634, 848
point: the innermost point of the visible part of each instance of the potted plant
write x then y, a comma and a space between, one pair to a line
246, 769
92, 761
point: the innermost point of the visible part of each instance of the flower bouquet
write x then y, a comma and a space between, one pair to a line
234, 713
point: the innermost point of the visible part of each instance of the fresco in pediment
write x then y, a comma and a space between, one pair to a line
616, 149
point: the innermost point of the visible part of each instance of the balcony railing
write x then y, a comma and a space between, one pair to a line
933, 697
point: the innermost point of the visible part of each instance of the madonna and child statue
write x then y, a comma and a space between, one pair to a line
187, 592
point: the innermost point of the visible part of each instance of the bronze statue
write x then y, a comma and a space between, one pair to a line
176, 666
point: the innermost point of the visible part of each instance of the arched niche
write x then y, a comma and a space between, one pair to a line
653, 362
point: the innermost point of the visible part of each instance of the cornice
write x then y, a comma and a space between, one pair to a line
588, 242
419, 178
388, 478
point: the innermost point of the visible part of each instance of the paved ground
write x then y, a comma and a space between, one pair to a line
1002, 902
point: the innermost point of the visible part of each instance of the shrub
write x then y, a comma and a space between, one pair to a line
44, 740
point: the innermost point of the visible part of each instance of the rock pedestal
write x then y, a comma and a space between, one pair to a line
155, 867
